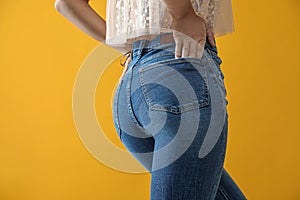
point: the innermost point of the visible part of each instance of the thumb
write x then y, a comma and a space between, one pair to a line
211, 37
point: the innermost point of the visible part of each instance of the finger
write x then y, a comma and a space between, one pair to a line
178, 48
185, 48
211, 41
193, 49
199, 52
201, 43
211, 36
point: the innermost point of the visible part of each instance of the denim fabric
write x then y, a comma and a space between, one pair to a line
171, 115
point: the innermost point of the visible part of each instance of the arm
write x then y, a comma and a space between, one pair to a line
81, 14
179, 8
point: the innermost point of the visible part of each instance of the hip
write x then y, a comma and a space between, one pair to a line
162, 50
173, 84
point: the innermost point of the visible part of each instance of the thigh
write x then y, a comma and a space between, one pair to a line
189, 176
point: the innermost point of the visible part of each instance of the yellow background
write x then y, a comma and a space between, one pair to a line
42, 156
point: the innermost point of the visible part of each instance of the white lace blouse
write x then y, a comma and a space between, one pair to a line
129, 20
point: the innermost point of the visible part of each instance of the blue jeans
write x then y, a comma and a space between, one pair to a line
171, 115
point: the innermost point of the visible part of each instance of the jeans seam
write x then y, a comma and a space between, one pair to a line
223, 192
219, 83
214, 54
128, 91
144, 89
137, 56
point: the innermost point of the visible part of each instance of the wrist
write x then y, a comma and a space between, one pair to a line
188, 20
179, 8
187, 16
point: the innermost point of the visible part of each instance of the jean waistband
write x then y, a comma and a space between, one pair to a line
166, 41
155, 43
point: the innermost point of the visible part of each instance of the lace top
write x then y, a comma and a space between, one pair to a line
129, 20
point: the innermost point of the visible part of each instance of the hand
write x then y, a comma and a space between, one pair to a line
187, 46
211, 36
190, 33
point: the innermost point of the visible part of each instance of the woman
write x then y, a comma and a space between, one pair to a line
170, 106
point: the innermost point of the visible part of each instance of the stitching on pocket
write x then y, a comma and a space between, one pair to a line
175, 108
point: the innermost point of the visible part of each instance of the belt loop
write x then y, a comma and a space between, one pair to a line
127, 55
141, 45
135, 53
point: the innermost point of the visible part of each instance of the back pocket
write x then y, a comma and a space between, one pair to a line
175, 85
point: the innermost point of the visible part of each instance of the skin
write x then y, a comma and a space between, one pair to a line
190, 30
82, 15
